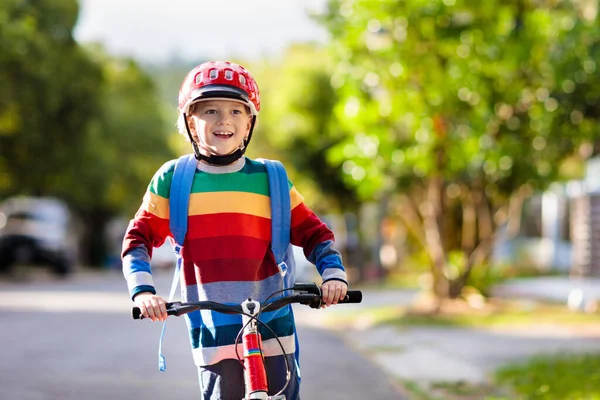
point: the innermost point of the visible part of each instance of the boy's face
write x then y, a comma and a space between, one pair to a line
219, 127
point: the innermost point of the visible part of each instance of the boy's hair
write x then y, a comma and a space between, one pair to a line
180, 124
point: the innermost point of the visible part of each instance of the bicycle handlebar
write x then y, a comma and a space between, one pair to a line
311, 299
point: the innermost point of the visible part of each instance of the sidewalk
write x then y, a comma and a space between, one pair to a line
447, 354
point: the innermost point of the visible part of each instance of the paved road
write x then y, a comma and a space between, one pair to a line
75, 339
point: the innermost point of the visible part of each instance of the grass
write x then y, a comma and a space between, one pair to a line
416, 392
501, 313
554, 377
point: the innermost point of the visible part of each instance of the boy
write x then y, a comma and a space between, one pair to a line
226, 254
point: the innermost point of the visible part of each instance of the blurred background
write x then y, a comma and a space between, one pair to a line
452, 145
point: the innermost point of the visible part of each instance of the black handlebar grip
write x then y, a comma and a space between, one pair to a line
307, 287
353, 296
136, 313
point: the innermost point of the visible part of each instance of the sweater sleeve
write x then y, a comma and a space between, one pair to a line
148, 229
317, 240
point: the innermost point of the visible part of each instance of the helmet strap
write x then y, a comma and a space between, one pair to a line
219, 160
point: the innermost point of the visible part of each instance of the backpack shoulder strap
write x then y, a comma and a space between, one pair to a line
279, 194
179, 198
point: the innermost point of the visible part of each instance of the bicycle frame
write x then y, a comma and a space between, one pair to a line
255, 374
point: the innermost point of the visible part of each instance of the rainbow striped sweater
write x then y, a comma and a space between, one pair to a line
226, 254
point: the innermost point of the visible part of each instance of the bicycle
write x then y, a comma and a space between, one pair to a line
255, 376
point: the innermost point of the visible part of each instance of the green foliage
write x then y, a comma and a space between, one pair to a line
554, 377
127, 143
295, 123
484, 279
47, 95
480, 83
461, 105
74, 124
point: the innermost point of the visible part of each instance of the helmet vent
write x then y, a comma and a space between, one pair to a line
198, 78
213, 74
228, 74
242, 80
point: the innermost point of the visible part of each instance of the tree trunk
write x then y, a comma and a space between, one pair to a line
476, 213
431, 210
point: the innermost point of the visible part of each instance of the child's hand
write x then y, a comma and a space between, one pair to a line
151, 305
332, 292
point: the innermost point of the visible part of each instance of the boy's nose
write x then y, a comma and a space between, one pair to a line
224, 119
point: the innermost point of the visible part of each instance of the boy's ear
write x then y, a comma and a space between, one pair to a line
192, 127
191, 123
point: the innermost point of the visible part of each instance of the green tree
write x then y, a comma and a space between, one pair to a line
48, 93
74, 122
127, 141
125, 144
458, 109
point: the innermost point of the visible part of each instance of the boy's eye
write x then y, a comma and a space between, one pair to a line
237, 111
211, 111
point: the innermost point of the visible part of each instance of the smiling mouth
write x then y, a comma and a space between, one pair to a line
223, 135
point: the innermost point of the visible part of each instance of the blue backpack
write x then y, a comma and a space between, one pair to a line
179, 198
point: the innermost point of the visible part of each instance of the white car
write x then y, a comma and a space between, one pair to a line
37, 231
